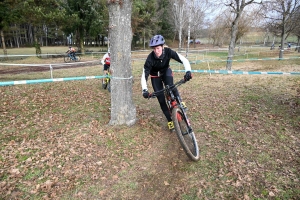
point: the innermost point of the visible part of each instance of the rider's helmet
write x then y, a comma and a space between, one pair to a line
157, 40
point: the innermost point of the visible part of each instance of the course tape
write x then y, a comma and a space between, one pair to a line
240, 72
49, 80
79, 78
234, 60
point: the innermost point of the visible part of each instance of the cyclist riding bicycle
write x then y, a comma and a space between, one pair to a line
157, 66
105, 61
71, 51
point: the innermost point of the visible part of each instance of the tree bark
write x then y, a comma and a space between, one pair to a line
3, 44
233, 33
81, 39
237, 7
298, 43
234, 28
123, 110
282, 37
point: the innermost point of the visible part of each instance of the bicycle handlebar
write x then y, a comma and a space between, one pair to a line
154, 94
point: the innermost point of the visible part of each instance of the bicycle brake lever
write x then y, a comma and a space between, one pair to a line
151, 96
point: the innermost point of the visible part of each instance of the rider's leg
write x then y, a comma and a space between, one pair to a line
73, 55
169, 80
105, 68
157, 84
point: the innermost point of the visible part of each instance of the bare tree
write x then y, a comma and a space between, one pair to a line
237, 8
199, 11
178, 8
248, 21
196, 12
279, 15
219, 29
296, 30
123, 110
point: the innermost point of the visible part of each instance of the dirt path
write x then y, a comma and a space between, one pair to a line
34, 68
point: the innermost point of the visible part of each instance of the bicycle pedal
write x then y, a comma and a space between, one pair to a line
183, 105
171, 126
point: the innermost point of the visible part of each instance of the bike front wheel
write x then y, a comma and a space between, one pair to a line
67, 59
185, 135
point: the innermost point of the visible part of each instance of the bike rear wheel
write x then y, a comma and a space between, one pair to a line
108, 85
77, 58
104, 85
186, 137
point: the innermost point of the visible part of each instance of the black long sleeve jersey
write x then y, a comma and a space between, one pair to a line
156, 66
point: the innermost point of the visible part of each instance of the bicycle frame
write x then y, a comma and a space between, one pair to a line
71, 57
106, 80
172, 100
181, 122
108, 74
175, 101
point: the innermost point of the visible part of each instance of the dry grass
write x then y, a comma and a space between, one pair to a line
56, 144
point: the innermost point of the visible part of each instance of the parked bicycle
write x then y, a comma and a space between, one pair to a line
71, 57
182, 124
106, 83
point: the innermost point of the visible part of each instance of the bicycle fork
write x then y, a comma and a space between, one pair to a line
172, 104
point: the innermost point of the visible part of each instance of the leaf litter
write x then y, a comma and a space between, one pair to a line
56, 144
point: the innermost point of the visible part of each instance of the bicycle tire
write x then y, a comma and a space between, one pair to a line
108, 86
104, 86
67, 59
78, 58
186, 138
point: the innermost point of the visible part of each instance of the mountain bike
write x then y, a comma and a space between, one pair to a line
69, 58
106, 83
180, 119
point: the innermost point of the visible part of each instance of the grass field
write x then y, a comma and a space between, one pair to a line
56, 142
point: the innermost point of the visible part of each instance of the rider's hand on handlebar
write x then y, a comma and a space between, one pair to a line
146, 94
187, 76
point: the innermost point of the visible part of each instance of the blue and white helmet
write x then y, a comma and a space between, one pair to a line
157, 40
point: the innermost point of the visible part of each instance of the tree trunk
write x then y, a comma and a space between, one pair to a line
180, 38
298, 43
81, 39
282, 39
234, 28
189, 36
123, 110
3, 44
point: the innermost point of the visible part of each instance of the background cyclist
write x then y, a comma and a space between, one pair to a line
105, 61
157, 65
71, 51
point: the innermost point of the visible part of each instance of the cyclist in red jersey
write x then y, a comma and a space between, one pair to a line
105, 61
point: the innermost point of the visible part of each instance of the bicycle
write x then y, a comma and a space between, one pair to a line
182, 124
106, 84
68, 58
